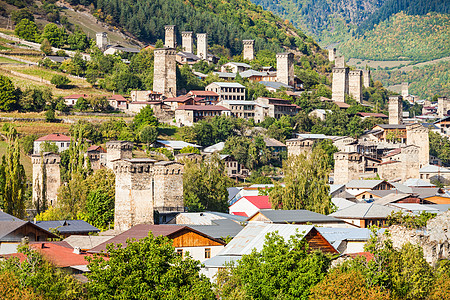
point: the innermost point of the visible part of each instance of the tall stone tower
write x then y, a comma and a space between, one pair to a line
117, 150
202, 45
101, 40
366, 78
417, 135
339, 87
405, 89
187, 41
285, 68
443, 107
339, 62
249, 51
170, 40
346, 167
164, 75
144, 186
332, 54
46, 177
395, 110
355, 83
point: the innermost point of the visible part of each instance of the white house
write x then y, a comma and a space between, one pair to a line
60, 140
249, 205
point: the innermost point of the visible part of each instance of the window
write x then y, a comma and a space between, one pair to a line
180, 252
207, 252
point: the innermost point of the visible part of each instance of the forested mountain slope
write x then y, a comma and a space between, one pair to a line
226, 22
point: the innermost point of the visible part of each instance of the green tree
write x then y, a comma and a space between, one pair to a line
82, 104
27, 143
146, 269
20, 14
282, 270
46, 47
8, 96
190, 149
55, 35
60, 80
78, 40
148, 135
205, 185
49, 147
27, 30
50, 115
306, 184
12, 178
145, 117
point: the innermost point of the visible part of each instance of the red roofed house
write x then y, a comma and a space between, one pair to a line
185, 239
97, 156
210, 97
60, 140
71, 100
176, 102
187, 115
249, 205
118, 102
365, 115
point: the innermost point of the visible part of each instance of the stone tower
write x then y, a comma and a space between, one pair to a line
187, 41
170, 40
346, 167
117, 150
339, 62
339, 86
395, 110
285, 68
366, 78
417, 135
144, 186
249, 51
355, 84
443, 107
101, 40
405, 91
202, 45
165, 76
332, 54
46, 177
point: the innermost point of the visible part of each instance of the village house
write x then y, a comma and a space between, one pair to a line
60, 140
145, 96
235, 67
274, 145
115, 49
233, 168
240, 108
206, 97
118, 102
176, 102
187, 58
276, 108
355, 187
365, 215
97, 157
273, 86
227, 90
174, 146
185, 240
249, 205
68, 227
71, 100
187, 115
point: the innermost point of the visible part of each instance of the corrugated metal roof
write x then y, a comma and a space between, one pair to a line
220, 228
297, 216
216, 147
275, 85
434, 169
86, 242
229, 84
254, 234
418, 183
364, 211
363, 184
342, 234
390, 198
7, 217
239, 64
415, 208
342, 203
68, 226
177, 145
220, 261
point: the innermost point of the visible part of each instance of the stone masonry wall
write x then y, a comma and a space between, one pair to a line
416, 134
117, 150
395, 110
170, 37
355, 84
202, 45
164, 76
285, 68
168, 182
443, 107
340, 84
187, 41
249, 52
366, 78
49, 169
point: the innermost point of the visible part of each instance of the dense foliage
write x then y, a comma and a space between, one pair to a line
401, 37
147, 269
440, 147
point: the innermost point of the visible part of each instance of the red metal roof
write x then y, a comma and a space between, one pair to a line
54, 137
240, 213
183, 98
117, 98
96, 148
341, 104
60, 253
202, 107
367, 255
376, 115
76, 96
204, 93
261, 202
394, 152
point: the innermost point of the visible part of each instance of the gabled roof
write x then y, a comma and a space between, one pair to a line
414, 182
96, 148
203, 93
9, 224
364, 211
296, 216
433, 169
54, 137
375, 115
275, 85
261, 202
188, 55
220, 228
117, 98
68, 226
229, 84
142, 230
363, 184
215, 148
239, 64
391, 126
60, 254
250, 73
179, 99
86, 242
270, 142
254, 234
342, 104
391, 198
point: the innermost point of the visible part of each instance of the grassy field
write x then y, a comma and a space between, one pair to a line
374, 64
24, 159
9, 61
46, 74
32, 58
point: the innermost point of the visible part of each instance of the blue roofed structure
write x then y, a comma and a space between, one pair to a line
68, 227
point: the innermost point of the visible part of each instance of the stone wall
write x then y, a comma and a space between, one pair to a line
164, 76
366, 78
249, 52
443, 107
187, 41
347, 167
285, 68
355, 84
405, 89
116, 150
46, 166
406, 167
168, 181
340, 84
332, 54
170, 39
298, 146
202, 45
101, 39
395, 110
